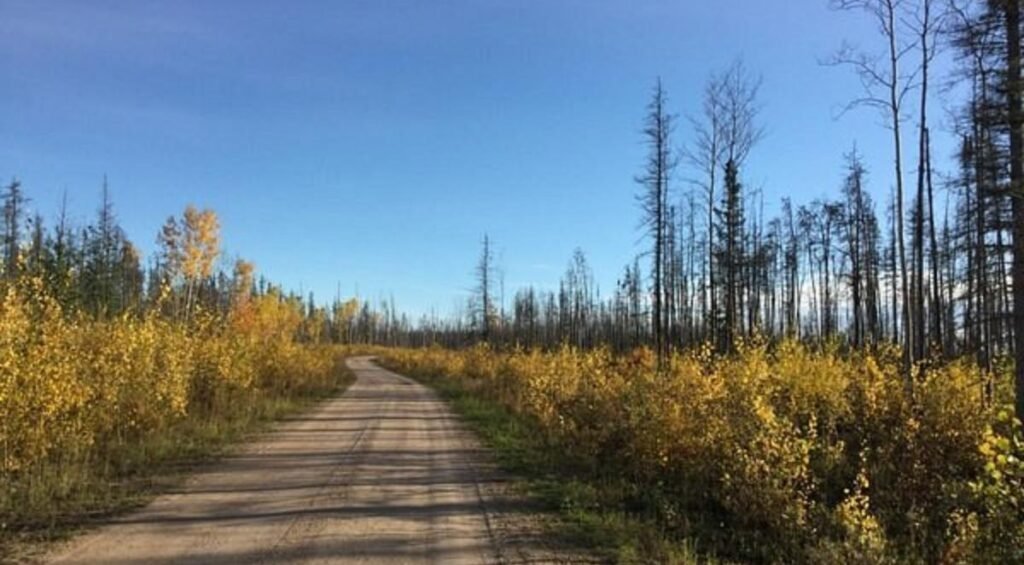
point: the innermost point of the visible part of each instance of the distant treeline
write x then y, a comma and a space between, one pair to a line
95, 270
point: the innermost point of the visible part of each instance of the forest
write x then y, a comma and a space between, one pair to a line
930, 268
841, 382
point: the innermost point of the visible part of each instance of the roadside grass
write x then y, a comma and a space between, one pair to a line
595, 512
57, 499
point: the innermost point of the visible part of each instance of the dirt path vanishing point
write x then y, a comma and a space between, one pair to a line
381, 474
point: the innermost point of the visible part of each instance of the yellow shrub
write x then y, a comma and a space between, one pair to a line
70, 386
769, 442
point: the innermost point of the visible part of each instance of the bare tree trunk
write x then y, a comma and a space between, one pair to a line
923, 165
895, 105
893, 273
895, 87
654, 203
1016, 123
936, 273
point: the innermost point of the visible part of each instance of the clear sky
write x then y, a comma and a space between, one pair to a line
370, 144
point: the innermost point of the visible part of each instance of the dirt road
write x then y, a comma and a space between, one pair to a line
382, 474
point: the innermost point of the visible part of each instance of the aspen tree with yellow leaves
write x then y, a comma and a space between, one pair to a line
200, 246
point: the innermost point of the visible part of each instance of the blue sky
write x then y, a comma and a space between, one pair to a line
370, 144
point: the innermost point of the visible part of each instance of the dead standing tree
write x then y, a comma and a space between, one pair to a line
653, 200
484, 304
706, 155
1015, 118
740, 133
885, 88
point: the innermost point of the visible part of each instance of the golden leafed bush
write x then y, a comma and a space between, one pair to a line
799, 454
71, 386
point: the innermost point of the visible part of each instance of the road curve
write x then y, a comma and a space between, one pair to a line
381, 474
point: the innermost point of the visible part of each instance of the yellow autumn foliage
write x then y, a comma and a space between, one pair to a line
780, 453
73, 389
